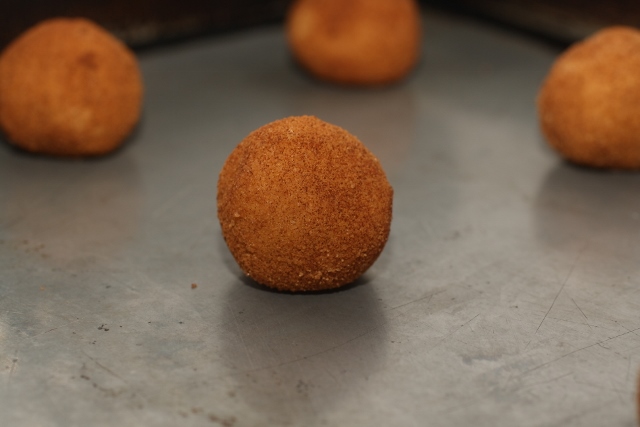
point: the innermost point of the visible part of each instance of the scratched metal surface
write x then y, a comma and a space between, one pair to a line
508, 293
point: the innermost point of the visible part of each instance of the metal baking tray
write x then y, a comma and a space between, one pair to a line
507, 295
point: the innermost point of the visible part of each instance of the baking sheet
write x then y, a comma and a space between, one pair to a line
508, 293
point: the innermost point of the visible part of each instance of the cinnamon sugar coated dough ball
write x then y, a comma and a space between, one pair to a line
589, 104
356, 42
304, 205
68, 88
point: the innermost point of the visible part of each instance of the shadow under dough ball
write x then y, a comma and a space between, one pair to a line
589, 104
304, 205
68, 88
355, 42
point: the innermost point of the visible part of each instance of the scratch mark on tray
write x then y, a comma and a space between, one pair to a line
56, 328
337, 345
299, 359
619, 393
461, 404
582, 323
575, 351
430, 296
105, 368
244, 344
337, 379
585, 316
575, 262
583, 413
526, 386
446, 337
13, 312
632, 331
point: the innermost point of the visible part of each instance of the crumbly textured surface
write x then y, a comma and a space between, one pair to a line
589, 104
68, 88
304, 205
356, 42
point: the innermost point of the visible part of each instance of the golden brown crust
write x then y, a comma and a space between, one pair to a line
303, 205
68, 88
357, 42
589, 104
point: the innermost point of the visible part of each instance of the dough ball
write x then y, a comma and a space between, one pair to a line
589, 104
68, 88
304, 205
355, 42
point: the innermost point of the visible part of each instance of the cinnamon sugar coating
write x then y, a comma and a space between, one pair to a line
355, 42
68, 88
304, 205
589, 104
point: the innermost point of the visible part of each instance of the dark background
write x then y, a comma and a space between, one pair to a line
143, 23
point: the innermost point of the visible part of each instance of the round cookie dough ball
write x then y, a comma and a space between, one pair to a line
68, 88
304, 205
355, 42
589, 104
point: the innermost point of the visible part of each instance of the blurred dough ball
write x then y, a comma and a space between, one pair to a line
355, 42
304, 205
589, 104
68, 88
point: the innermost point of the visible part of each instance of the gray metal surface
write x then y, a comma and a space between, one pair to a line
508, 294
